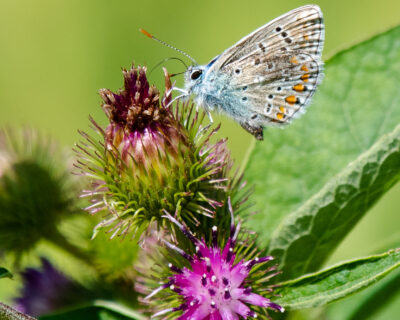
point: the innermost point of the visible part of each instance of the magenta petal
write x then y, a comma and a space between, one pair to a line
255, 299
187, 315
215, 316
275, 306
198, 266
201, 312
240, 308
227, 314
238, 274
226, 249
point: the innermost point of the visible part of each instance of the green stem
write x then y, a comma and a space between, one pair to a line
58, 239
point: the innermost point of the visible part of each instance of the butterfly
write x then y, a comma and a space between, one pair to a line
266, 78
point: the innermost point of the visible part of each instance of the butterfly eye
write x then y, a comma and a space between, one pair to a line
196, 74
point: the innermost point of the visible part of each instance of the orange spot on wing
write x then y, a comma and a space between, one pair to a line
306, 37
279, 116
294, 60
282, 109
305, 77
304, 68
291, 99
298, 87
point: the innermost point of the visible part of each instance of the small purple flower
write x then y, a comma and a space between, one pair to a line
48, 290
217, 283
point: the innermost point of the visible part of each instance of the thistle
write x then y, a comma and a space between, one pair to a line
36, 191
223, 279
151, 158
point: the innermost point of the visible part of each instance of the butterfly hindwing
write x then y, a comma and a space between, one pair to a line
283, 92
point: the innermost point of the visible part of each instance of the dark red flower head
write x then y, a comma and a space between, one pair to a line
139, 125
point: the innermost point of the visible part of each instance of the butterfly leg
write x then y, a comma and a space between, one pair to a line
204, 129
174, 99
257, 132
179, 90
173, 88
209, 115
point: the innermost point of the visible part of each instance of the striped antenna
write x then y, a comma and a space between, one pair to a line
148, 34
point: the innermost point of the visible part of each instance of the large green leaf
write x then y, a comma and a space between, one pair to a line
8, 313
336, 282
98, 310
4, 273
357, 103
305, 238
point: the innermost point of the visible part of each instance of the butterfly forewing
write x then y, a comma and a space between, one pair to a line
300, 29
276, 69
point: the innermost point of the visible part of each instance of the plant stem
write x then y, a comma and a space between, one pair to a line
58, 239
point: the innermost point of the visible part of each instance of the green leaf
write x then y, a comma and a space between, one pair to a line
305, 238
8, 313
357, 104
336, 282
98, 310
367, 304
4, 273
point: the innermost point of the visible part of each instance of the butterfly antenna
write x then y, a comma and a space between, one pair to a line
166, 44
167, 59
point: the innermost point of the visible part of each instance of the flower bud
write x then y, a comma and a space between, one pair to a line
36, 190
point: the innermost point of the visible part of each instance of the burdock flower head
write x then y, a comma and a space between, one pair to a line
224, 279
151, 158
36, 191
140, 129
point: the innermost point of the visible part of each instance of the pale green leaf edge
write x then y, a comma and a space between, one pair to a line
292, 299
368, 303
377, 297
118, 308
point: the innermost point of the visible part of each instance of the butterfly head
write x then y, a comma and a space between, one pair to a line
193, 76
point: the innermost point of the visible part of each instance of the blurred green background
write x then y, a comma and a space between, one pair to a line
55, 55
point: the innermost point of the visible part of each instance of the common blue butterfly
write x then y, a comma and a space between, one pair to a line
266, 78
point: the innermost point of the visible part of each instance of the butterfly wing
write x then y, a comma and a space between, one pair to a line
278, 95
275, 70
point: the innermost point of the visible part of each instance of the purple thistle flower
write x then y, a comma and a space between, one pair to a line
47, 290
218, 282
